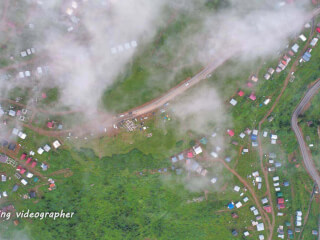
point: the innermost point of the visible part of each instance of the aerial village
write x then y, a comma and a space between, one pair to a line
24, 165
190, 160
30, 167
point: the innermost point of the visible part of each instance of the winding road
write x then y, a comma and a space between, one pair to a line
306, 155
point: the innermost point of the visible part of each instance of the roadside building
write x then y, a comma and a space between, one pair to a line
303, 37
295, 48
314, 42
306, 56
230, 132
264, 200
267, 208
260, 227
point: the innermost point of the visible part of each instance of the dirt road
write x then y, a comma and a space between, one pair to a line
306, 155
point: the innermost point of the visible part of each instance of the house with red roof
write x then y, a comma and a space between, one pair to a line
280, 200
189, 154
22, 171
19, 168
28, 160
252, 96
318, 29
249, 84
290, 53
281, 206
50, 124
241, 93
23, 156
267, 208
33, 164
230, 132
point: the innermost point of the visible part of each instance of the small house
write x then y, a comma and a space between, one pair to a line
264, 200
15, 188
174, 159
267, 208
197, 149
252, 96
32, 194
233, 102
40, 150
47, 148
260, 227
230, 132
295, 48
241, 93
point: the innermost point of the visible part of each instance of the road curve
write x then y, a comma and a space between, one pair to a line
306, 156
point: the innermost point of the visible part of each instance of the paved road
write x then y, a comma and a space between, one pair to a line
307, 159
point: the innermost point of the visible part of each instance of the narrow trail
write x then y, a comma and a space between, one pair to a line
5, 10
252, 192
308, 212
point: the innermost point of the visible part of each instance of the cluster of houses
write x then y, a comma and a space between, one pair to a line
124, 47
307, 55
21, 114
70, 10
27, 73
52, 184
257, 179
283, 63
46, 148
298, 219
191, 165
241, 93
272, 163
253, 209
254, 137
27, 52
53, 124
259, 225
279, 194
19, 133
20, 172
